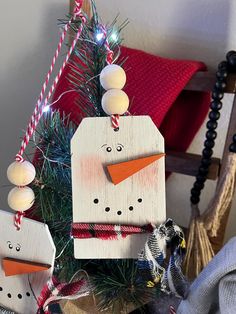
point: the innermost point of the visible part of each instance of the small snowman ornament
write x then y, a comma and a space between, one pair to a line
118, 175
27, 260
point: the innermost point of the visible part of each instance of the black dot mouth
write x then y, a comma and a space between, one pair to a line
19, 296
96, 201
131, 208
140, 200
107, 209
119, 212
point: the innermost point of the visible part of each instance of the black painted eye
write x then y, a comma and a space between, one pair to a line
18, 248
96, 201
140, 200
10, 246
20, 296
108, 149
28, 294
119, 148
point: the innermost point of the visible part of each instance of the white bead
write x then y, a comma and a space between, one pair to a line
21, 173
21, 198
115, 101
112, 76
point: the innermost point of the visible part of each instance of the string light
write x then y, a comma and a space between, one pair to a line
46, 108
114, 36
99, 36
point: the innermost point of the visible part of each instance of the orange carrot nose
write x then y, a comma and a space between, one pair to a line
121, 171
12, 266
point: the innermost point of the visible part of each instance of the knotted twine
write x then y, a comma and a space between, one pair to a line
205, 232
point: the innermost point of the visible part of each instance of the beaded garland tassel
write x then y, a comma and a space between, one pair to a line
214, 115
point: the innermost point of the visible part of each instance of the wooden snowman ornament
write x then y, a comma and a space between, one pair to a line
118, 175
27, 261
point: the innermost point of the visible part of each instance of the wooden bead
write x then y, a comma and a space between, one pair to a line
231, 58
232, 148
195, 199
21, 199
21, 174
207, 152
195, 192
217, 95
214, 115
212, 125
209, 143
198, 185
115, 101
223, 65
216, 105
211, 135
113, 76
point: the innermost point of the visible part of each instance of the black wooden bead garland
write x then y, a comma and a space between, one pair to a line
224, 68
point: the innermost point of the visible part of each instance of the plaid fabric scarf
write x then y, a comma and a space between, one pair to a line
152, 259
4, 310
54, 291
106, 231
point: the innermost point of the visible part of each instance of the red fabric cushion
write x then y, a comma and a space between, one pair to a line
155, 87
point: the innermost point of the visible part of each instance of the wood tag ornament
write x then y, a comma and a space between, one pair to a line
26, 262
118, 177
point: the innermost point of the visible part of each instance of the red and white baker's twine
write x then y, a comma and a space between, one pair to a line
41, 104
115, 121
172, 310
18, 219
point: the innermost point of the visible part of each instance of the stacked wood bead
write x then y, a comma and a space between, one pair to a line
113, 79
224, 68
21, 197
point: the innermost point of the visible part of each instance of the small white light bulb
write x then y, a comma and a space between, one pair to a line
114, 36
99, 36
46, 108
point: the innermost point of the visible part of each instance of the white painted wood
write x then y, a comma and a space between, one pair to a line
140, 138
36, 245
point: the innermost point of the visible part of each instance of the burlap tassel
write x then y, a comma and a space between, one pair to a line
206, 231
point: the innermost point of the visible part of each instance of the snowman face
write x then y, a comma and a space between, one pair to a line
138, 198
23, 251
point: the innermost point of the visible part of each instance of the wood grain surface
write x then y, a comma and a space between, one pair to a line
138, 200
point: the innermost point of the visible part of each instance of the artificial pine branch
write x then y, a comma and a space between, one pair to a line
89, 60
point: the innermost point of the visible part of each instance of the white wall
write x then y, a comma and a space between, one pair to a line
202, 30
29, 36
